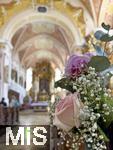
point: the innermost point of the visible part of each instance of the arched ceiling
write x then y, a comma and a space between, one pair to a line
39, 36
93, 7
106, 12
41, 55
43, 30
47, 40
76, 10
100, 11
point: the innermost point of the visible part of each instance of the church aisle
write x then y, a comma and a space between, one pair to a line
28, 117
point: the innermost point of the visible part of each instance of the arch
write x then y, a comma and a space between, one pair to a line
41, 37
58, 48
30, 16
63, 59
36, 56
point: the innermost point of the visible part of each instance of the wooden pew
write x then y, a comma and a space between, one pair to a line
8, 116
1, 115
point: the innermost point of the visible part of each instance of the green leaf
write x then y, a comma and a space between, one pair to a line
106, 139
108, 118
100, 63
106, 38
106, 27
60, 82
65, 83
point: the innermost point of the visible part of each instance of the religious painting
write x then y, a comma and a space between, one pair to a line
42, 70
44, 86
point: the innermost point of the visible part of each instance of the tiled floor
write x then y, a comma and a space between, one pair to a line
29, 117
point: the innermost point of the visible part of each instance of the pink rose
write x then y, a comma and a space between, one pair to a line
67, 112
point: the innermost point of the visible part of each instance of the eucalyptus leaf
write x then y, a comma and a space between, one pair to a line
99, 50
108, 70
106, 38
99, 34
100, 63
65, 83
106, 27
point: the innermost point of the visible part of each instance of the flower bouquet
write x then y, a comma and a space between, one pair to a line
85, 114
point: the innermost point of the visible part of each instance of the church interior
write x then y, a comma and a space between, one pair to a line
37, 37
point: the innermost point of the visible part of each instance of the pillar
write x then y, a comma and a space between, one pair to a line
5, 54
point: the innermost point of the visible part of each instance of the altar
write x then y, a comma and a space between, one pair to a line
42, 85
40, 106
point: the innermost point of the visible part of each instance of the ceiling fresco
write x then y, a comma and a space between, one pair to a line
34, 39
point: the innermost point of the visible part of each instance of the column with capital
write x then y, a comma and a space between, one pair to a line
1, 74
5, 62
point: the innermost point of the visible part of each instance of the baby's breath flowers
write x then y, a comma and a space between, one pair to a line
97, 106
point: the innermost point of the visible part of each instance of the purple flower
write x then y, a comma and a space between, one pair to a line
77, 64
